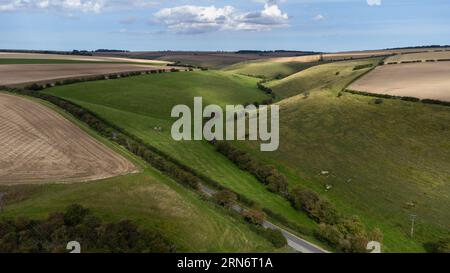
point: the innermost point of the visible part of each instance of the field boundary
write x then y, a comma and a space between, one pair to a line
403, 98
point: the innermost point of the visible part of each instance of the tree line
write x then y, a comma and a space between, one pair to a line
23, 235
404, 98
254, 216
39, 87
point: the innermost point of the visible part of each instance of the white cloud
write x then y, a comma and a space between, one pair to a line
319, 17
197, 19
374, 2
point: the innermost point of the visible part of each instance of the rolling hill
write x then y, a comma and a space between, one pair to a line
382, 161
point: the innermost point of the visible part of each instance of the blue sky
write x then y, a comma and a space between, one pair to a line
325, 25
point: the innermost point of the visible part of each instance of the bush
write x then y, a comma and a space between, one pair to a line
254, 216
225, 198
35, 87
23, 235
440, 246
275, 237
349, 235
317, 208
378, 101
362, 66
74, 215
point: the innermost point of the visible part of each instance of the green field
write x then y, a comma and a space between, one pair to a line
268, 69
139, 104
386, 161
149, 199
60, 61
334, 75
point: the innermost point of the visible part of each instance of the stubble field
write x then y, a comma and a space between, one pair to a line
420, 80
39, 145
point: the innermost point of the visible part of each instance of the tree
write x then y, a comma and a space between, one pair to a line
225, 198
254, 216
442, 246
75, 214
275, 237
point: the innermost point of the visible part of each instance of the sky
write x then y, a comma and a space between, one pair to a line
147, 25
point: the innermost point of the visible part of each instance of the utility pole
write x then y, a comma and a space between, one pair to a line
413, 219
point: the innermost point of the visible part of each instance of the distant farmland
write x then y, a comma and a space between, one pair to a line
12, 55
422, 56
39, 145
420, 80
15, 74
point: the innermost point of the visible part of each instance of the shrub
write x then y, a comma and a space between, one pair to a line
440, 246
275, 237
254, 216
23, 235
348, 235
362, 66
378, 101
35, 87
74, 215
317, 208
225, 198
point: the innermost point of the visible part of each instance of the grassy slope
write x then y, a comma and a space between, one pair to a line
141, 103
394, 153
268, 69
148, 198
317, 77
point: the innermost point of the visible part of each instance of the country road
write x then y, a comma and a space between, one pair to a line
295, 242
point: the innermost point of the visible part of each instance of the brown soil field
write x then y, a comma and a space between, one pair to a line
11, 55
420, 80
38, 145
423, 56
16, 74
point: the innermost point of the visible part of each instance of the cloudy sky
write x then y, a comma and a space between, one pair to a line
326, 25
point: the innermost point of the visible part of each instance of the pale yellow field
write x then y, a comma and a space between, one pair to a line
420, 80
423, 56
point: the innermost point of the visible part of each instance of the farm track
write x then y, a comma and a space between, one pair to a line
38, 145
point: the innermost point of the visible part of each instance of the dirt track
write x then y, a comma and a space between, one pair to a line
38, 145
28, 73
420, 80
